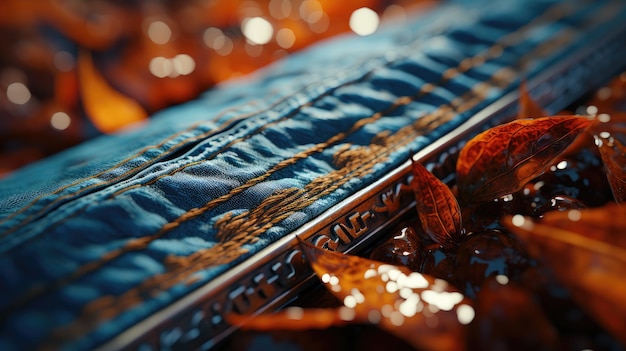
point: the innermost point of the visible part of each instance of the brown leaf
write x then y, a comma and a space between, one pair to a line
508, 318
613, 155
501, 160
425, 312
528, 107
586, 250
437, 207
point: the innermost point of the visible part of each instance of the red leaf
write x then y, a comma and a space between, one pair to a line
586, 249
613, 154
508, 318
503, 159
437, 207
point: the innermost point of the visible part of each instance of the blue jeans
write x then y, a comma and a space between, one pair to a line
103, 235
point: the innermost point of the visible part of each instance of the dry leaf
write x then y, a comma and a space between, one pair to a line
587, 252
503, 159
107, 109
437, 207
425, 312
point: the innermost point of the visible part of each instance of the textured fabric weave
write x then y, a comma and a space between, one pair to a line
99, 237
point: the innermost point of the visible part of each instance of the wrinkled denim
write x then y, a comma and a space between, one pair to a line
202, 163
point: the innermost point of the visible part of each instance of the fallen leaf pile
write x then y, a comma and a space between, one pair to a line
526, 250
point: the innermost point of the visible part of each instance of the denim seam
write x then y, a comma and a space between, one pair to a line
138, 243
141, 242
402, 101
177, 272
283, 100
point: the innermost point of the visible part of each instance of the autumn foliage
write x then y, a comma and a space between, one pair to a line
519, 226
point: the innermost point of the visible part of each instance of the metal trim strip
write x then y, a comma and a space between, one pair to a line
277, 274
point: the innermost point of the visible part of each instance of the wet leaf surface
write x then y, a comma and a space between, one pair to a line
613, 154
437, 207
508, 318
550, 282
425, 312
586, 249
402, 248
503, 159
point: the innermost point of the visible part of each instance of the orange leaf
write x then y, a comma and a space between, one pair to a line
437, 207
586, 250
613, 155
106, 108
424, 311
528, 107
501, 160
295, 318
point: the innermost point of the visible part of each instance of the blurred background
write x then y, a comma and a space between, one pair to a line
72, 69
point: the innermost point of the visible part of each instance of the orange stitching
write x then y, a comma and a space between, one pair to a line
76, 182
227, 246
494, 51
181, 269
143, 165
239, 230
136, 244
141, 152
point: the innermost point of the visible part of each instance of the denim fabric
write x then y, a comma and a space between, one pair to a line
124, 225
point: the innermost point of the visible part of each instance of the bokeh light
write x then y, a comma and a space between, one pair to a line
280, 9
257, 30
159, 32
60, 120
18, 93
161, 67
364, 21
155, 53
285, 38
64, 61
